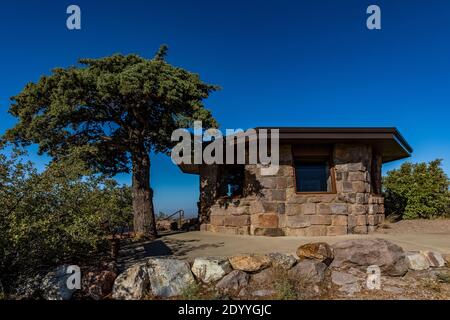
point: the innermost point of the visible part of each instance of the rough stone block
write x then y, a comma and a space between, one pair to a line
360, 230
336, 230
312, 231
320, 219
286, 171
217, 220
281, 183
373, 208
339, 220
316, 231
361, 220
309, 208
322, 198
293, 197
376, 199
372, 220
237, 221
357, 176
269, 206
351, 222
356, 167
341, 167
241, 210
216, 210
359, 186
347, 197
268, 232
323, 208
278, 195
268, 182
256, 207
358, 209
362, 198
347, 186
293, 209
339, 208
265, 220
299, 221
295, 232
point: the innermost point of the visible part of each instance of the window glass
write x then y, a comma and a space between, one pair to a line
313, 176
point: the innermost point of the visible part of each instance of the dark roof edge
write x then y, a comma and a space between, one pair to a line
354, 130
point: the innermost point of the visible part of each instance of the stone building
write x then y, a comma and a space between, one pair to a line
329, 183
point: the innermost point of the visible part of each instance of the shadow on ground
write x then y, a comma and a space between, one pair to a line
132, 252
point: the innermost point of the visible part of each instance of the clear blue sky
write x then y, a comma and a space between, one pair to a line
280, 63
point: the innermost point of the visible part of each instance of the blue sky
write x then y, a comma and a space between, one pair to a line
280, 63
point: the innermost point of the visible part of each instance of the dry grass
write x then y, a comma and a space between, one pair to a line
443, 277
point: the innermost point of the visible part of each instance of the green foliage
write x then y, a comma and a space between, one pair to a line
63, 214
443, 277
417, 191
192, 291
111, 109
111, 113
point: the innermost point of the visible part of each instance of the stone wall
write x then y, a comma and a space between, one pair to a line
271, 206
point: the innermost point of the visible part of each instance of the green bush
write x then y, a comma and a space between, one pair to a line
63, 214
417, 191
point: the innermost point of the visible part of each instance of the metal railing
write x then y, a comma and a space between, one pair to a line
180, 218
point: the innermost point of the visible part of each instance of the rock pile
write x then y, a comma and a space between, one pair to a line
317, 270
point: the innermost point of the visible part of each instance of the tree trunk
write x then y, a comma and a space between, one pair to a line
144, 216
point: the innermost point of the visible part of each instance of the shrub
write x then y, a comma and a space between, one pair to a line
63, 214
417, 191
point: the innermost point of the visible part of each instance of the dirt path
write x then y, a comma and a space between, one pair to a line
410, 235
420, 226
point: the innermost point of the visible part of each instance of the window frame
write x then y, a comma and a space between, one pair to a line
313, 158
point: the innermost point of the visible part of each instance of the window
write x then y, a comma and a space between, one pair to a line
313, 176
232, 180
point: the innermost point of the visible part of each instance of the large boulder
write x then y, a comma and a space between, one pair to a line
417, 261
54, 285
169, 277
308, 276
362, 253
250, 262
98, 284
447, 259
434, 258
211, 269
346, 282
233, 282
264, 277
132, 284
308, 271
281, 260
318, 250
28, 287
